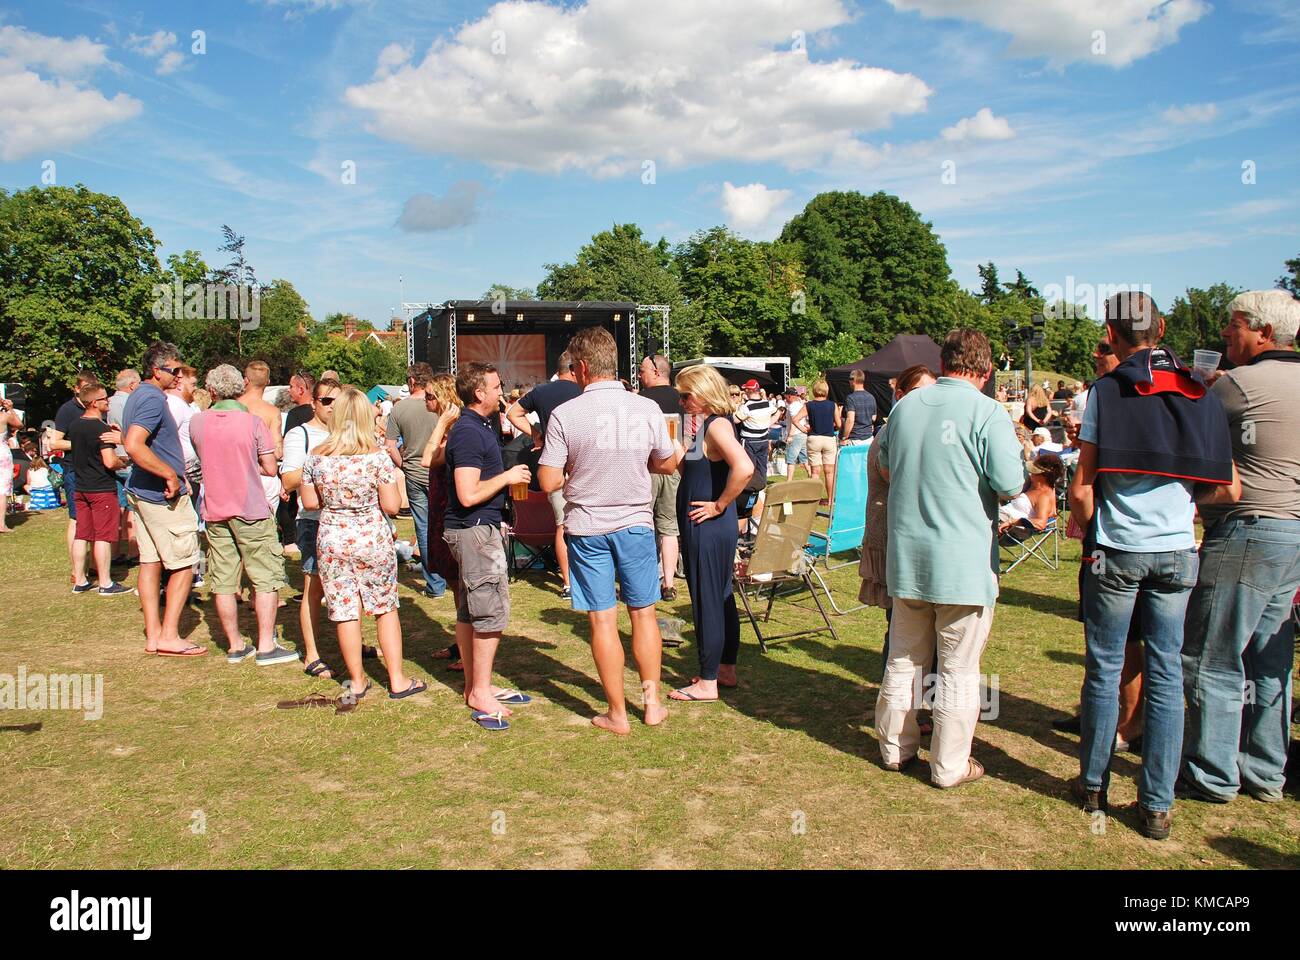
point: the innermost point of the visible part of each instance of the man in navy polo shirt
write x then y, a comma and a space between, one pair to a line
476, 485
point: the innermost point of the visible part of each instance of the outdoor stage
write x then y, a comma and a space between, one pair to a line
524, 338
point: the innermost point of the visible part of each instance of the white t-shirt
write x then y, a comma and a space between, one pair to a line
298, 442
792, 411
182, 412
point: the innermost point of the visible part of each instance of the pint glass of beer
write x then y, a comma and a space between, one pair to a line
671, 420
519, 491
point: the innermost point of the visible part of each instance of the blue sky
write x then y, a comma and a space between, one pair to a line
1101, 140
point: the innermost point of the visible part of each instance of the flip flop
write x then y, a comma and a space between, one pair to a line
417, 686
318, 667
682, 695
190, 651
513, 697
490, 721
315, 700
457, 666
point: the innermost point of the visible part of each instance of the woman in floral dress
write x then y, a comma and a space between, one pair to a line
353, 483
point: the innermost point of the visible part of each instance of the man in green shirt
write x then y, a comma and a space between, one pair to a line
949, 454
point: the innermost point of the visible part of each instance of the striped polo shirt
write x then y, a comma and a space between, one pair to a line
603, 441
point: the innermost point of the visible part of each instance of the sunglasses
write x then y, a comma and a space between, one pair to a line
684, 395
325, 401
171, 371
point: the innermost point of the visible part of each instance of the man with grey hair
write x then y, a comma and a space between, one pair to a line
235, 450
1239, 644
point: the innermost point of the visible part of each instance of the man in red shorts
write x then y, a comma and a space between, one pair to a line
95, 460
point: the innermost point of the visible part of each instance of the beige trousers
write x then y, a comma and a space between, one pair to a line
959, 632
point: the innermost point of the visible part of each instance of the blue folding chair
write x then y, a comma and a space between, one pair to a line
847, 518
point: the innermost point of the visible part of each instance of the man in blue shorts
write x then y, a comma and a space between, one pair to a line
608, 441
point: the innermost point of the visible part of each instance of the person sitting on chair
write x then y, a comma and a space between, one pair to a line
1035, 508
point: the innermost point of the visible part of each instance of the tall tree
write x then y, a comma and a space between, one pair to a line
1021, 288
238, 272
990, 289
874, 267
280, 338
1197, 318
76, 277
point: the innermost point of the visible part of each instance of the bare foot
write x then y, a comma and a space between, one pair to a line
699, 690
603, 721
171, 646
727, 675
487, 705
655, 714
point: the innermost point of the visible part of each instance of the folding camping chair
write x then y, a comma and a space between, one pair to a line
847, 519
1014, 551
780, 556
533, 529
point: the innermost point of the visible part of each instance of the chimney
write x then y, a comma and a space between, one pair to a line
349, 326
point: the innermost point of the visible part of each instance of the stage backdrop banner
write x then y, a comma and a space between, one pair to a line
519, 358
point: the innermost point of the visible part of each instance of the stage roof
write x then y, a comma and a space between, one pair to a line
538, 306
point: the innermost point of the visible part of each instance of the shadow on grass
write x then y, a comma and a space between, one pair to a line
1065, 607
1253, 854
1065, 656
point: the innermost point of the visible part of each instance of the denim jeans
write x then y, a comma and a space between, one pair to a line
1158, 585
417, 495
1238, 655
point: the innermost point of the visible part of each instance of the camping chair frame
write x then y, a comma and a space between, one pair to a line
780, 556
1034, 545
538, 544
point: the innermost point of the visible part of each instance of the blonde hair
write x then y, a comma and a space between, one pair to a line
821, 390
352, 428
443, 388
1038, 397
707, 386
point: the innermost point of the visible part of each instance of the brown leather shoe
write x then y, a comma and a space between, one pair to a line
1092, 800
1155, 823
901, 766
974, 771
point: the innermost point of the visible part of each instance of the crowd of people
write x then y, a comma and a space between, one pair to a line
1189, 646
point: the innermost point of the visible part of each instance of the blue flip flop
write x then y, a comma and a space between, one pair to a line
489, 721
416, 686
513, 697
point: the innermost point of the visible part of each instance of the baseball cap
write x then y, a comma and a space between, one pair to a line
750, 385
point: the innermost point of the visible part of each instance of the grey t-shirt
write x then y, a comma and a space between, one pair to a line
863, 406
1264, 422
412, 422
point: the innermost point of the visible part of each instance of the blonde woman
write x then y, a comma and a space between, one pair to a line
353, 483
820, 419
1038, 408
440, 398
714, 473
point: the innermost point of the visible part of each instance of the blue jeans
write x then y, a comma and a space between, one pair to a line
417, 495
1237, 657
1158, 585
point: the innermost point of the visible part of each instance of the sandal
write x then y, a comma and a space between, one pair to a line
315, 700
447, 653
974, 770
416, 686
490, 721
319, 668
456, 665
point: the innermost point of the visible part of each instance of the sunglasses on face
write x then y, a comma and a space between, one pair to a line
325, 401
171, 371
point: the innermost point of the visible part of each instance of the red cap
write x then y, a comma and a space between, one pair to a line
751, 385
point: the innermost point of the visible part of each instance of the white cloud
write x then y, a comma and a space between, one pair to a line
1192, 113
1065, 31
982, 126
425, 213
752, 205
391, 57
160, 44
603, 87
43, 113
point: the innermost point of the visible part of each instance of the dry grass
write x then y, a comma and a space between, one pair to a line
415, 784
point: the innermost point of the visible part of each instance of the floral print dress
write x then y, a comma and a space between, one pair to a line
356, 554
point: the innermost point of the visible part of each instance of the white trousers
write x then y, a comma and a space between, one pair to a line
959, 633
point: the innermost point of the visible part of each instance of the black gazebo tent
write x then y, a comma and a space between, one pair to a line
904, 351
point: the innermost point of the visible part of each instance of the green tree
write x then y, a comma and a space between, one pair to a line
874, 267
990, 289
835, 352
504, 291
1291, 281
334, 322
747, 297
1021, 288
76, 278
1196, 319
362, 363
280, 338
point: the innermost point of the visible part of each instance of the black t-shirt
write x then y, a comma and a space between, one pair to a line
545, 397
68, 414
1065, 393
472, 443
87, 464
297, 417
669, 400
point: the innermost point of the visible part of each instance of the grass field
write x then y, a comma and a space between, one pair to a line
192, 765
